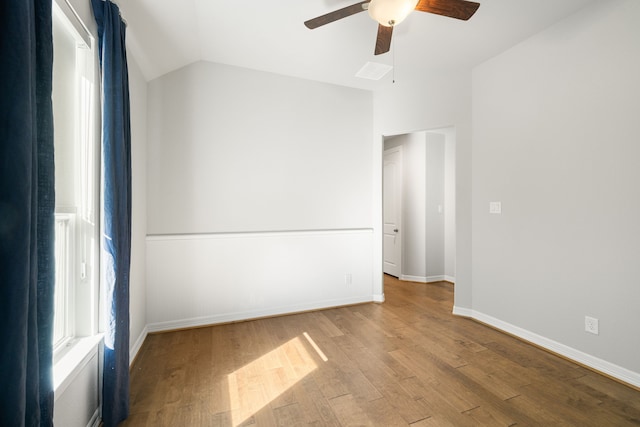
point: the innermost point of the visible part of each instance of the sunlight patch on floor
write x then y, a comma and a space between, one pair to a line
267, 378
315, 347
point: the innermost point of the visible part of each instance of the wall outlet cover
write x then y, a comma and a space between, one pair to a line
591, 325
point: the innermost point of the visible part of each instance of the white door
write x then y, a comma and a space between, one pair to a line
392, 212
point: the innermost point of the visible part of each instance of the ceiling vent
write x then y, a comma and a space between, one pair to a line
373, 71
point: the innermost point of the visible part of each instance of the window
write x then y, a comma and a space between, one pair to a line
76, 160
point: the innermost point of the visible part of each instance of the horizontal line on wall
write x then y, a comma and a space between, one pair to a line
261, 233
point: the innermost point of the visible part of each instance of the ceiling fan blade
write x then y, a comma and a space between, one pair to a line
383, 40
336, 14
459, 9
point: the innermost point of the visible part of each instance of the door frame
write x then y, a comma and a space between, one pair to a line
439, 129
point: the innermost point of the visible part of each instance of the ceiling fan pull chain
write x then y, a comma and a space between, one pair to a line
393, 70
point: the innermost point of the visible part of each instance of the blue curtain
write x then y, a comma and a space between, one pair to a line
116, 157
27, 205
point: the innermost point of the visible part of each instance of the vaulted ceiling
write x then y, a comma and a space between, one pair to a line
164, 35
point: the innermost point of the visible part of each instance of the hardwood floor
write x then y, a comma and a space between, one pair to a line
408, 361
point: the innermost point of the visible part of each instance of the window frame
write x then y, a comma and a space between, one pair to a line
81, 299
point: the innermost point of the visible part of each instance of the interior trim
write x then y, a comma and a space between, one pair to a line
601, 366
257, 233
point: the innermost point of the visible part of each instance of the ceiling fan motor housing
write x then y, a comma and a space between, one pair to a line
391, 12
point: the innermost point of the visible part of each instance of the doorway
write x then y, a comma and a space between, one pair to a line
425, 217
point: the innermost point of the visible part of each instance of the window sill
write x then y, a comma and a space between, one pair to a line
69, 364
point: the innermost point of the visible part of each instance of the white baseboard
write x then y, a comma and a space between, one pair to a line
461, 311
607, 368
450, 279
409, 278
378, 297
133, 351
254, 314
427, 279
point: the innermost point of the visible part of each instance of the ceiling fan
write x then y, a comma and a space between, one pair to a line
390, 13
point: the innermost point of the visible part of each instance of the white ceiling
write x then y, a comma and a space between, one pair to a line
164, 35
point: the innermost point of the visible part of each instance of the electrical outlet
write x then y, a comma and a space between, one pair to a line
347, 279
591, 325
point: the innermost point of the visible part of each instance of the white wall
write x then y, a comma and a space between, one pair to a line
206, 279
265, 181
78, 404
413, 209
234, 150
449, 204
435, 102
434, 205
555, 139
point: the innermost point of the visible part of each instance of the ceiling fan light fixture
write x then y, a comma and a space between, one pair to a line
391, 12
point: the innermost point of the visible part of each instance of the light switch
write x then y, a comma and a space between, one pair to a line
495, 207
439, 208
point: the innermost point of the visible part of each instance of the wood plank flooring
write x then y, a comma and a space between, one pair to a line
406, 362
